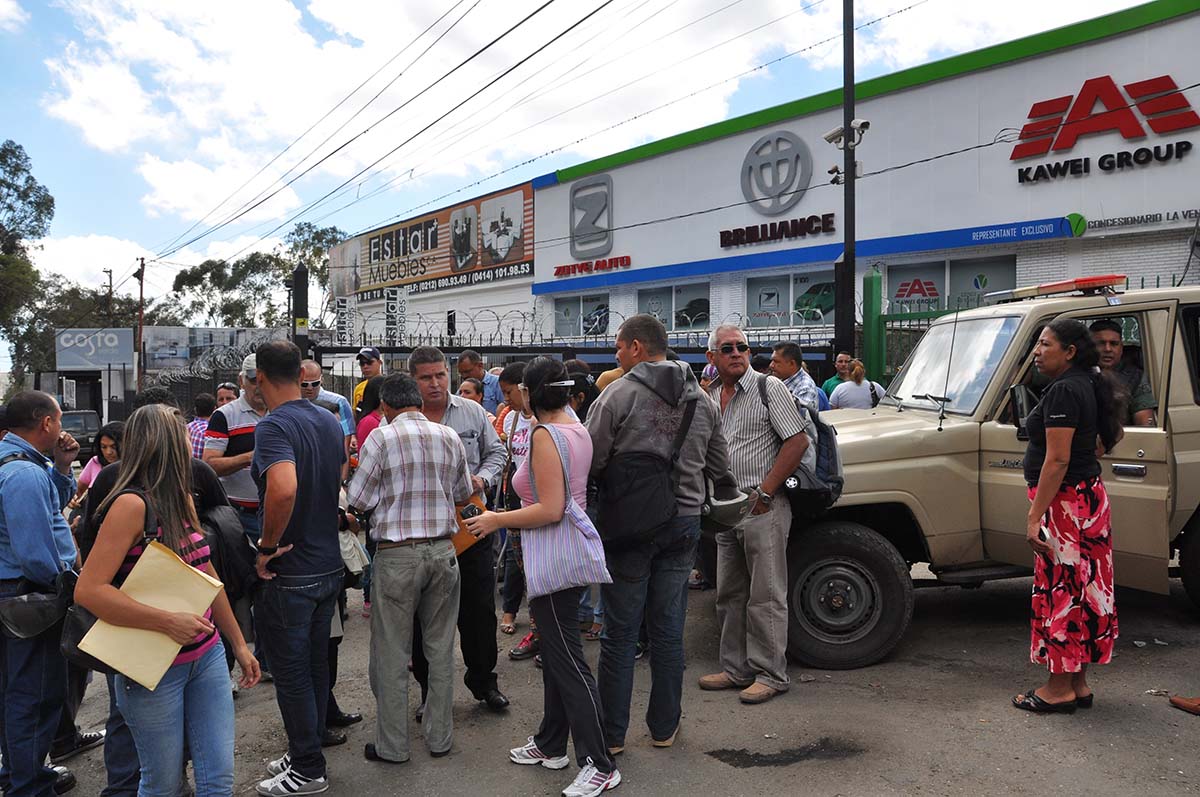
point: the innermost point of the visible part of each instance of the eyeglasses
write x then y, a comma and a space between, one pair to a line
227, 386
728, 348
310, 385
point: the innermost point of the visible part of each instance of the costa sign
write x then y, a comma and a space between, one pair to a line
1101, 106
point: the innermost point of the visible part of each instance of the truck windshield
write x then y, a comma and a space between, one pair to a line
979, 345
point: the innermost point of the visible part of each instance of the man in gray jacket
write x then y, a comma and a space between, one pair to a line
642, 413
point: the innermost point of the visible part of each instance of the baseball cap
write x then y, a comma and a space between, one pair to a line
250, 367
368, 353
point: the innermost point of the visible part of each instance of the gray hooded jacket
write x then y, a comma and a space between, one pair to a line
642, 411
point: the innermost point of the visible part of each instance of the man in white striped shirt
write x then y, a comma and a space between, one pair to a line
412, 472
765, 433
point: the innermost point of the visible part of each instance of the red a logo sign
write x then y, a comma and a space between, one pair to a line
917, 289
1057, 124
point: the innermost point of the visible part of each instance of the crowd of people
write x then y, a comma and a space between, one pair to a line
559, 482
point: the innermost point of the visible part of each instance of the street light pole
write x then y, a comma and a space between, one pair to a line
843, 279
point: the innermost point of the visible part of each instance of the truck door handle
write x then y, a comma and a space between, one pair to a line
1136, 471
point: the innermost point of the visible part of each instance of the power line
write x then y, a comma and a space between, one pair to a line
370, 127
485, 87
245, 205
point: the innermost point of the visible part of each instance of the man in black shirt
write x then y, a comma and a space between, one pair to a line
120, 756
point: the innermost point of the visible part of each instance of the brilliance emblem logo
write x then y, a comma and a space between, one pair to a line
1059, 123
591, 217
776, 173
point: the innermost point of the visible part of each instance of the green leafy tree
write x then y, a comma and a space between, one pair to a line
65, 304
26, 207
308, 245
243, 293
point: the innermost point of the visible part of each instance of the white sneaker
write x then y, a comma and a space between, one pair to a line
280, 765
530, 754
591, 782
291, 782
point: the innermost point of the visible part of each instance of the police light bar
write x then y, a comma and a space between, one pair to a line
1082, 284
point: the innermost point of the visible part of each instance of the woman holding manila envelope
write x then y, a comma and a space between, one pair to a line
193, 693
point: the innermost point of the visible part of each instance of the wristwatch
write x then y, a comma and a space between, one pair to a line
763, 495
268, 550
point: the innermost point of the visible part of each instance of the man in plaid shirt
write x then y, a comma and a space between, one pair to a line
204, 406
411, 472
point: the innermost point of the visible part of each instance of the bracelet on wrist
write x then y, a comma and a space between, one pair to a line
268, 550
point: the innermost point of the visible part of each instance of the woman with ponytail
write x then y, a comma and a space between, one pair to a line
1074, 618
193, 699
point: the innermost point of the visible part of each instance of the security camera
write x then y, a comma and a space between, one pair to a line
835, 135
861, 125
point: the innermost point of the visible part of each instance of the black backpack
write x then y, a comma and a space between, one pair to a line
818, 489
637, 492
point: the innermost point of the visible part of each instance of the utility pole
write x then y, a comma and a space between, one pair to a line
108, 271
299, 302
141, 278
843, 279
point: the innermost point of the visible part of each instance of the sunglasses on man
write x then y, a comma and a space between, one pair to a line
728, 348
310, 385
228, 386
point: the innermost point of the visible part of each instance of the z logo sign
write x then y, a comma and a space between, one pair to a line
591, 217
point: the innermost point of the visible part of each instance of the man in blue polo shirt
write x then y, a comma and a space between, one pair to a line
35, 546
470, 366
312, 389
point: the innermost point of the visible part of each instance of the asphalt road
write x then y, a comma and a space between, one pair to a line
934, 718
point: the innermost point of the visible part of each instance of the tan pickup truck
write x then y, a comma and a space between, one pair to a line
933, 473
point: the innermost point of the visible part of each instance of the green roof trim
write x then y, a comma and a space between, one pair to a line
1049, 41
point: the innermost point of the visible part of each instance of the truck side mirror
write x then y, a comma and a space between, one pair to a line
1021, 402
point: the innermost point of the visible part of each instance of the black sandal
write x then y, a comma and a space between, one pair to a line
1031, 702
1085, 701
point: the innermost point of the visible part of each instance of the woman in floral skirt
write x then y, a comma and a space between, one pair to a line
1074, 618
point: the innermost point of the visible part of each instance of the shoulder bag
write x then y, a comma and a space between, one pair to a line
565, 554
79, 620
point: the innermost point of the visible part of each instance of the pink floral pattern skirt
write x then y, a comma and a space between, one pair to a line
1074, 615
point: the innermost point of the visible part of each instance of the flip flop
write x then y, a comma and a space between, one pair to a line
508, 628
593, 633
1031, 702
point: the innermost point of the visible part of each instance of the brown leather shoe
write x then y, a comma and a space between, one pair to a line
716, 681
757, 693
1189, 704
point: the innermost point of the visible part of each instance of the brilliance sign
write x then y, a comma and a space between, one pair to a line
1101, 107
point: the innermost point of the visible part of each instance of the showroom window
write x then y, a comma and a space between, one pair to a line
581, 315
948, 284
790, 299
680, 308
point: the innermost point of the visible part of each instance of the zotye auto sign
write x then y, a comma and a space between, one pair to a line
1101, 107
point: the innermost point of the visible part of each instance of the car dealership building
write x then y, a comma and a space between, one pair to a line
1068, 153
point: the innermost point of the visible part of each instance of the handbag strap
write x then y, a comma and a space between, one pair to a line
684, 425
564, 460
150, 526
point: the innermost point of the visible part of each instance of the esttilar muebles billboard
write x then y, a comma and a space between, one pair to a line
485, 240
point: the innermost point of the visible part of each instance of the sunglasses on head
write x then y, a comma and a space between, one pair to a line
227, 386
312, 384
729, 347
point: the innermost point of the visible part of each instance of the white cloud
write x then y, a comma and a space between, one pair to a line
205, 93
83, 258
12, 16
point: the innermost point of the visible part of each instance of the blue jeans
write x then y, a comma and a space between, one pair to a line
250, 523
649, 581
586, 613
294, 613
33, 686
192, 708
120, 755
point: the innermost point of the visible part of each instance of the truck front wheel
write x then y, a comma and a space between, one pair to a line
850, 598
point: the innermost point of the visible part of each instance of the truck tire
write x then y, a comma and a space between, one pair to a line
1189, 565
850, 596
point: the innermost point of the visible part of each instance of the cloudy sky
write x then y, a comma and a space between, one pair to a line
155, 122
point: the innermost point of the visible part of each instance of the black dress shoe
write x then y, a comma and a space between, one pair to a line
66, 780
371, 754
495, 699
332, 737
342, 719
440, 753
